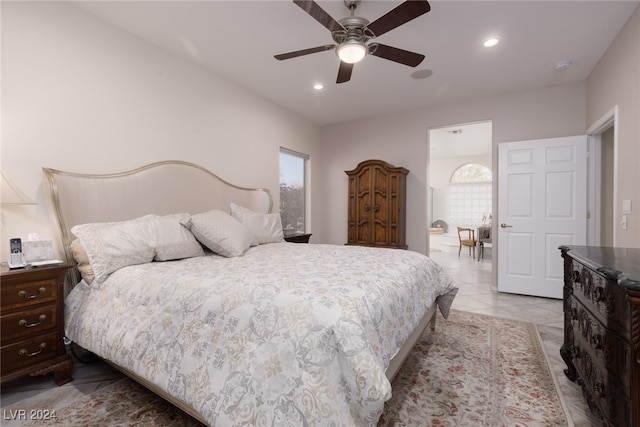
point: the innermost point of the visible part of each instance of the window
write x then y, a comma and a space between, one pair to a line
470, 195
292, 191
471, 172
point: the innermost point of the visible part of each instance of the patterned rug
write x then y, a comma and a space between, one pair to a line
475, 370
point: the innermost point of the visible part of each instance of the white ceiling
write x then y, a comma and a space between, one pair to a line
464, 140
237, 40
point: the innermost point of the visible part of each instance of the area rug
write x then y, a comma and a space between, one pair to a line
474, 370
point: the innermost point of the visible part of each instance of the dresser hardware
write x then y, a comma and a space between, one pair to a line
41, 318
576, 276
367, 208
376, 208
599, 389
41, 291
596, 342
24, 352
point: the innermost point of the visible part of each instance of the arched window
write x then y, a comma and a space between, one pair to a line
470, 195
471, 172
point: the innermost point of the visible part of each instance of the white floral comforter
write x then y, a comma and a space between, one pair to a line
287, 334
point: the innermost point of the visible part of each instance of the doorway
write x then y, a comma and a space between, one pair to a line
602, 202
451, 204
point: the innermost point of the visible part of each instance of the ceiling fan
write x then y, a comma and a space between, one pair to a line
352, 33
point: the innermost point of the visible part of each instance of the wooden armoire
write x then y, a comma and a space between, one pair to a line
377, 200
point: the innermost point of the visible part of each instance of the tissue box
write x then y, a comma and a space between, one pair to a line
37, 250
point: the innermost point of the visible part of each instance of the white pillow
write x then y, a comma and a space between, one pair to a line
267, 228
113, 245
221, 233
172, 240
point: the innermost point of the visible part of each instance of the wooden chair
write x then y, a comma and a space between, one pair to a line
467, 237
484, 236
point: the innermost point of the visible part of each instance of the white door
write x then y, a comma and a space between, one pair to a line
542, 204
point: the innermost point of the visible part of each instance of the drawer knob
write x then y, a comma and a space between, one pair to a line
23, 322
24, 295
24, 352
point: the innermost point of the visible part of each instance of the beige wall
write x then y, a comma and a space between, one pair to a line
81, 95
401, 139
616, 81
78, 94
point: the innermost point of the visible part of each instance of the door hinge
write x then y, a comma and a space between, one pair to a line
588, 154
588, 214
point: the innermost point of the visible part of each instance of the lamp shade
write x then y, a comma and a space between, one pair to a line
351, 51
11, 195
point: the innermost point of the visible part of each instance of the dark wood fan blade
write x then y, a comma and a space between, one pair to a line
319, 14
394, 54
302, 52
400, 15
344, 72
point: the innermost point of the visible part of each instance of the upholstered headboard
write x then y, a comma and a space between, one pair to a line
160, 188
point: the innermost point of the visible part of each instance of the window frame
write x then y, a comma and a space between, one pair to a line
305, 160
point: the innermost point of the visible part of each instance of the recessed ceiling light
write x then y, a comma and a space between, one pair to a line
491, 42
562, 65
318, 86
421, 74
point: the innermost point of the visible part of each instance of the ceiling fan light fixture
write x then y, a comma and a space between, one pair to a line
351, 51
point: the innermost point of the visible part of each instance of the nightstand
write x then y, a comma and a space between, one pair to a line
32, 323
297, 238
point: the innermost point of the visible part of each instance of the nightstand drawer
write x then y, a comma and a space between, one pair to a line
30, 293
29, 352
28, 323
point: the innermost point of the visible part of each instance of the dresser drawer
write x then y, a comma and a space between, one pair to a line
606, 301
29, 352
19, 295
601, 395
28, 322
608, 352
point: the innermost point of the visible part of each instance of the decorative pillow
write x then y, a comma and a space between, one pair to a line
221, 233
267, 228
172, 240
82, 259
113, 245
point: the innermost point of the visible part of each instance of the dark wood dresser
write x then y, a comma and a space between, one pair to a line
602, 330
32, 325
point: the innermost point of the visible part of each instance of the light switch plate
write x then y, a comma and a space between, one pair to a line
626, 206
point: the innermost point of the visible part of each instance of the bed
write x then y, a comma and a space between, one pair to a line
242, 327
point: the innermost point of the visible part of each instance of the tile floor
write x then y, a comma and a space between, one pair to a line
475, 295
